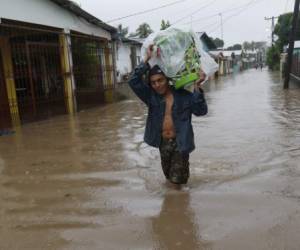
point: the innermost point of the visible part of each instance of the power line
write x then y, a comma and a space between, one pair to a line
190, 8
209, 25
191, 14
146, 11
202, 18
217, 23
217, 14
238, 13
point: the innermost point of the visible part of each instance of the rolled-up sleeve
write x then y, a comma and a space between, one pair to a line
139, 87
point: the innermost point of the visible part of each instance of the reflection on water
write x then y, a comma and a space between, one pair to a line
175, 226
250, 123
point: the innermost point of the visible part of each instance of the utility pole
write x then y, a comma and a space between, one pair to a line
291, 45
220, 14
272, 28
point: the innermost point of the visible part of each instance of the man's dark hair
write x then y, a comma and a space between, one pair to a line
155, 70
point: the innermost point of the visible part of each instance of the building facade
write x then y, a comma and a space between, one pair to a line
128, 56
55, 58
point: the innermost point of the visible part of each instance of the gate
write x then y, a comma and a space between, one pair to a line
5, 118
39, 80
90, 70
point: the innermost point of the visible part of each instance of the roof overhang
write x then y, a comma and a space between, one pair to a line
75, 9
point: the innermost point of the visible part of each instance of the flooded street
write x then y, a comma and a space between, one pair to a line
89, 182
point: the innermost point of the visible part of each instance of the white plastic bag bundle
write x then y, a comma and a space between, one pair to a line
170, 48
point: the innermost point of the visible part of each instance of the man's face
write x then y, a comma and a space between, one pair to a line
159, 83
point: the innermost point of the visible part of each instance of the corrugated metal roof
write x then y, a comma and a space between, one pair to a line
138, 39
226, 53
130, 40
229, 52
74, 8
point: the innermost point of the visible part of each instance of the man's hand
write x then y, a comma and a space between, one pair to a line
149, 53
202, 76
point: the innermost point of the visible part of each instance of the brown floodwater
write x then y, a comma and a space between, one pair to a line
89, 181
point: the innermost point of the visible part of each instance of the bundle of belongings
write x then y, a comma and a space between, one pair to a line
180, 55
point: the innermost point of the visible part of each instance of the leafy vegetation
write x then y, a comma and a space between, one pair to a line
282, 30
164, 24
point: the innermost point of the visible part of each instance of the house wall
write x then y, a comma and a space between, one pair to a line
45, 12
123, 60
28, 91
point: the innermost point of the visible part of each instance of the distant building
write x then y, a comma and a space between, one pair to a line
55, 58
128, 56
228, 60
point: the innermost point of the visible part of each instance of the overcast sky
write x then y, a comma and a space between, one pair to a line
243, 23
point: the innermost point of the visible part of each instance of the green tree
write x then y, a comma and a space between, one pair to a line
143, 31
282, 30
247, 46
218, 42
164, 24
123, 32
235, 47
273, 57
254, 45
260, 45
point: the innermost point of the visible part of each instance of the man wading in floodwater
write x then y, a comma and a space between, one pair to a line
169, 119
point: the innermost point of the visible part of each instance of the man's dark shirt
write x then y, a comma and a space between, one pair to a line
185, 104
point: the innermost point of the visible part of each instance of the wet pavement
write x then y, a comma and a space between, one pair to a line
89, 182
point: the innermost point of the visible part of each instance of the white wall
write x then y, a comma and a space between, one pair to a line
123, 60
48, 13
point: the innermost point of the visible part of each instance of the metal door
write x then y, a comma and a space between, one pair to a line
39, 80
89, 74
